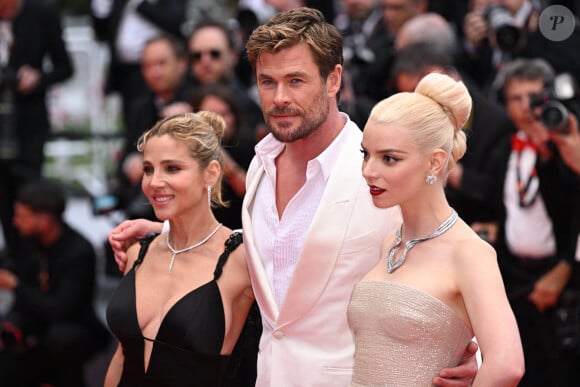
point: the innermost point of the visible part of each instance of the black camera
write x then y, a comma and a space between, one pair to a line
508, 35
556, 104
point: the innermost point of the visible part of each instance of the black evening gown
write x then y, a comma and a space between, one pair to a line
186, 351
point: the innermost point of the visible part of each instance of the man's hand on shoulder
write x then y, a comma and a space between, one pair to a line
128, 233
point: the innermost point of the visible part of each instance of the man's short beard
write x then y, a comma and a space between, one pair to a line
303, 131
313, 118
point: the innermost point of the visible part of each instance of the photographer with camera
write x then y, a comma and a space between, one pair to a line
538, 206
33, 57
377, 72
496, 32
559, 111
365, 35
558, 108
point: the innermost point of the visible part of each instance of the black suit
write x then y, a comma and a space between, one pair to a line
37, 36
488, 133
370, 78
55, 312
126, 78
147, 111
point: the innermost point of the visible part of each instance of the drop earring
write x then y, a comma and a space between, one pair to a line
430, 179
209, 195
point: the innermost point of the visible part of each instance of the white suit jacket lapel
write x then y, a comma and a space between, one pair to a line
260, 282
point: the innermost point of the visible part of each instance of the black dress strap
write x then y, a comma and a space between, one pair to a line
145, 242
230, 245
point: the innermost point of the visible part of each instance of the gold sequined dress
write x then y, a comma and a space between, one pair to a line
403, 336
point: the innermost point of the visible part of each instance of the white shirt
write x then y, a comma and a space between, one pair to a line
528, 230
134, 32
6, 40
281, 251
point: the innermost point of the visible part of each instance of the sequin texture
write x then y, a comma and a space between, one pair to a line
403, 336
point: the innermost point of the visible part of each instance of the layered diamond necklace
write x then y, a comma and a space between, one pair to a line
201, 242
393, 265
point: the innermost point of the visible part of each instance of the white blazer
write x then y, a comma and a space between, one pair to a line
307, 342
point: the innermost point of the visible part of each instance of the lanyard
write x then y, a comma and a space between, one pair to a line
523, 187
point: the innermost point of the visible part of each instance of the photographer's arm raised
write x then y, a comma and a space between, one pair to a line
569, 144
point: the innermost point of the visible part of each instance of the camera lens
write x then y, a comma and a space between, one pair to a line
508, 35
555, 116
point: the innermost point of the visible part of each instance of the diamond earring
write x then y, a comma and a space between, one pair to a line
209, 195
430, 179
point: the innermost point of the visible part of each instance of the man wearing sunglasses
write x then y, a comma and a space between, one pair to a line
213, 55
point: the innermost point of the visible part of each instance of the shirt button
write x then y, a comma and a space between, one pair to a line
278, 334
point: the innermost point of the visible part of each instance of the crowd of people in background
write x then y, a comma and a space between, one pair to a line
517, 186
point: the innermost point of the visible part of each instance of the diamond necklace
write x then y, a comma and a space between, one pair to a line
201, 242
394, 265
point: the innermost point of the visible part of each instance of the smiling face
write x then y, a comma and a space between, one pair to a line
393, 165
172, 179
294, 97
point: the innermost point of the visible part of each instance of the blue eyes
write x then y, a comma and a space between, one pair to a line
271, 83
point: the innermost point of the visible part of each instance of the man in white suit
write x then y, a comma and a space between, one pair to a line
310, 229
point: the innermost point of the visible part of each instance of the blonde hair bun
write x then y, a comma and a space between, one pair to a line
451, 94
